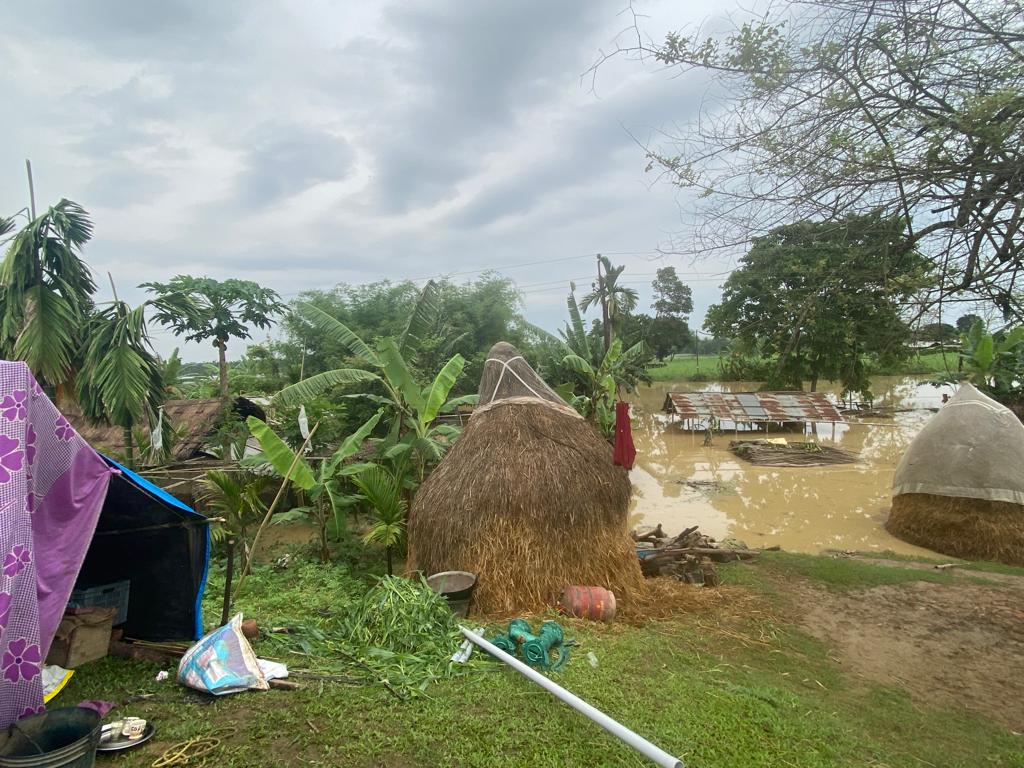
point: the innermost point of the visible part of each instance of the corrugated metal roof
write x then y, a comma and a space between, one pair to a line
746, 407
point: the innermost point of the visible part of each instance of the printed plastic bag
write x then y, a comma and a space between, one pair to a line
222, 662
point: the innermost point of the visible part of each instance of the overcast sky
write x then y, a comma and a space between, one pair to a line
302, 144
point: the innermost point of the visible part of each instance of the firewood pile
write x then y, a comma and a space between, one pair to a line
689, 557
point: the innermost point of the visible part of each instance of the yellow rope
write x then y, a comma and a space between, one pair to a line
193, 752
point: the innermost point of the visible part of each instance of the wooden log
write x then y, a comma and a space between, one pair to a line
681, 539
721, 555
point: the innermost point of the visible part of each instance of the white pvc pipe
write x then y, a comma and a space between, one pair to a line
613, 727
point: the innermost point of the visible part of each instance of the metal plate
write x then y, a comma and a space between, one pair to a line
121, 744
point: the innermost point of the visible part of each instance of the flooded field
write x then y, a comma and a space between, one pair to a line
679, 482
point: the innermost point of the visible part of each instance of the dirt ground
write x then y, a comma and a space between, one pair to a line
959, 645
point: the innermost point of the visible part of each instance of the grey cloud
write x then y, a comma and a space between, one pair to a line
476, 69
585, 145
123, 186
114, 121
286, 160
136, 28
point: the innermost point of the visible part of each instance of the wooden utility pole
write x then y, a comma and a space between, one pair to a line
605, 323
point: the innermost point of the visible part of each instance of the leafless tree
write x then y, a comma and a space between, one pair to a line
832, 108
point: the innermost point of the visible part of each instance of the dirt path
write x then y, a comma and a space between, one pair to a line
959, 645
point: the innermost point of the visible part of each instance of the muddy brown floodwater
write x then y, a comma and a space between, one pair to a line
679, 482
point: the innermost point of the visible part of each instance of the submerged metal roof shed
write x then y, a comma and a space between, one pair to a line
751, 407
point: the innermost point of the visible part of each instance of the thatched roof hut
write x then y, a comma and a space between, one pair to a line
959, 488
528, 498
193, 420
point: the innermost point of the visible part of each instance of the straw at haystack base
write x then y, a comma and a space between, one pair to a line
528, 499
973, 529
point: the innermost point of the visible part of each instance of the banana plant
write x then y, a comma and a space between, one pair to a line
322, 488
413, 407
600, 384
627, 367
993, 362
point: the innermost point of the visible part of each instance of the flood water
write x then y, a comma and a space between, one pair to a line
801, 509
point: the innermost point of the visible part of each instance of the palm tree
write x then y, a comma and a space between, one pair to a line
383, 491
121, 377
45, 293
237, 497
172, 376
615, 300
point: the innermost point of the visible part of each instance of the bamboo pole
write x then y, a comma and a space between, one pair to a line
271, 510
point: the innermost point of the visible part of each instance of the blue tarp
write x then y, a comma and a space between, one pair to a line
161, 546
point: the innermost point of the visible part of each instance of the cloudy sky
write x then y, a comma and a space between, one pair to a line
302, 144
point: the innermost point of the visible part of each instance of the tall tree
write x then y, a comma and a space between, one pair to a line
614, 298
839, 107
673, 302
671, 297
819, 296
223, 310
965, 322
46, 293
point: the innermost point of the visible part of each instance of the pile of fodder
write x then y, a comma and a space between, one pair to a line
972, 529
529, 500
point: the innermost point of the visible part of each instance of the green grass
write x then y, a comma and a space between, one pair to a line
834, 572
964, 565
684, 368
929, 362
754, 696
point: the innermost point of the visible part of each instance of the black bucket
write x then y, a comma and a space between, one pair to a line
456, 587
60, 738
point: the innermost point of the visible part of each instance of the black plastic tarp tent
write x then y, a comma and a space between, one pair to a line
161, 547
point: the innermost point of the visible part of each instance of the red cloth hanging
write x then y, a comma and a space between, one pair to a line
625, 451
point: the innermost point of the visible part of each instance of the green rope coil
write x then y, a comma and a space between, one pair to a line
536, 650
505, 643
519, 632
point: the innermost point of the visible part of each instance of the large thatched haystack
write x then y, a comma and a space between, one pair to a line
527, 498
959, 488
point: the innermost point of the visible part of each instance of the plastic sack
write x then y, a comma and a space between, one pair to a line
222, 662
54, 680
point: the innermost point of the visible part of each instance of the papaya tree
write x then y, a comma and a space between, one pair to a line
224, 310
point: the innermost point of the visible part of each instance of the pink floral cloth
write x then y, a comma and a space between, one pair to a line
52, 489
